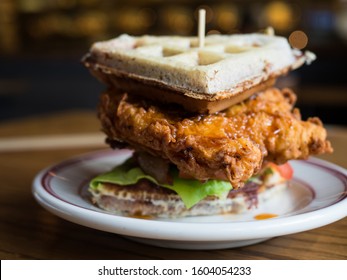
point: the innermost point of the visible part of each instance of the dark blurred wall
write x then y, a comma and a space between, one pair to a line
42, 42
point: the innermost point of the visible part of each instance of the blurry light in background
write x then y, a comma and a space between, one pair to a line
47, 25
341, 20
65, 4
92, 24
279, 15
9, 42
134, 21
320, 19
31, 6
87, 24
178, 20
298, 39
227, 17
86, 3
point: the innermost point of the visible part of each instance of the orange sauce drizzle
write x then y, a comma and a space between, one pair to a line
139, 216
265, 216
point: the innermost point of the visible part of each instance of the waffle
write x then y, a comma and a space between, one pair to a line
228, 69
153, 202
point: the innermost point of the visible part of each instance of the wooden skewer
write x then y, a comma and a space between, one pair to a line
270, 31
201, 27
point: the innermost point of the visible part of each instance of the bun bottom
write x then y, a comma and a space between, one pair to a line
146, 204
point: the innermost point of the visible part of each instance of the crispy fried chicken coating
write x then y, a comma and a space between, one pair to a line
231, 145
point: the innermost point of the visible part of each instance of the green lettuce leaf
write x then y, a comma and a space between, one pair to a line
190, 191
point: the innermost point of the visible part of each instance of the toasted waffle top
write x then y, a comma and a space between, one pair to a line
227, 63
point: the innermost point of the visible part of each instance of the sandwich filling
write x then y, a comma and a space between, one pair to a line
134, 192
190, 191
230, 145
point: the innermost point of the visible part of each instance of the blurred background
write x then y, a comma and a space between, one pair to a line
42, 42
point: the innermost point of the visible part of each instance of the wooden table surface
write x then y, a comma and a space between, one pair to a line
27, 231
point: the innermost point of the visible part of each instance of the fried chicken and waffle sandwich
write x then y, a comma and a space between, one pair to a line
210, 133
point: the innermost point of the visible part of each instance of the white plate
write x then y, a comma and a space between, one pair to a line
316, 197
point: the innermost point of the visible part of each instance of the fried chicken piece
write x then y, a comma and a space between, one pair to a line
271, 120
230, 145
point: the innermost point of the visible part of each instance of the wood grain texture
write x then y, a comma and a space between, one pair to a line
27, 231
